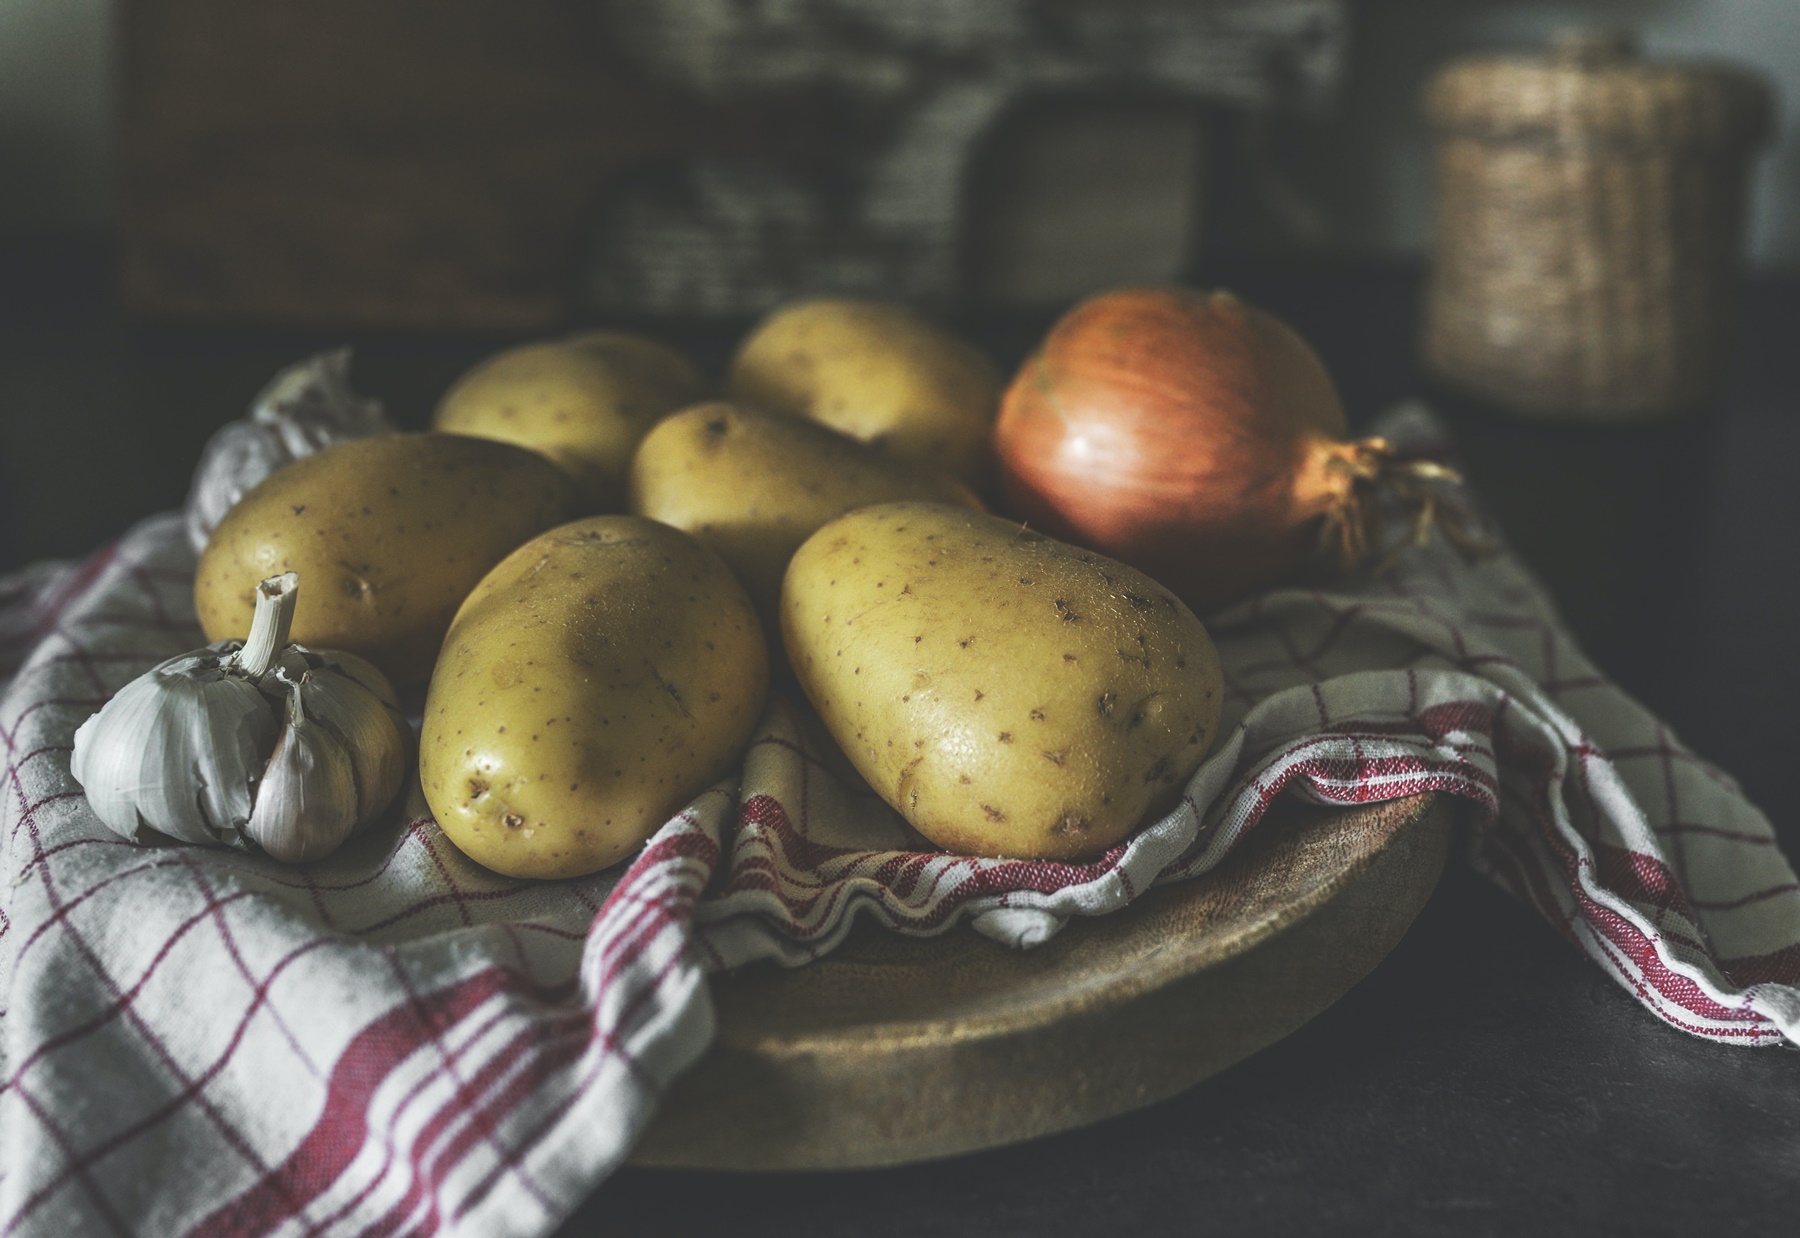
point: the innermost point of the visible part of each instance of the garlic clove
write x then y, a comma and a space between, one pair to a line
215, 751
373, 735
306, 804
176, 750
359, 669
109, 748
356, 701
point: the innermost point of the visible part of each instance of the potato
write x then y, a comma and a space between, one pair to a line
878, 373
753, 485
583, 401
593, 684
388, 534
1007, 693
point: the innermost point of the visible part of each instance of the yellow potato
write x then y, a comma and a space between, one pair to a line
593, 684
1007, 693
753, 485
878, 373
583, 401
388, 534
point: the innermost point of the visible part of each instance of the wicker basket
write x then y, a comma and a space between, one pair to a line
1590, 219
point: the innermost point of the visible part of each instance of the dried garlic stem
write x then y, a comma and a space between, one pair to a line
275, 599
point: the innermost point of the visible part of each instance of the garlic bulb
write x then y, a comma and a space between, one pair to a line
258, 742
307, 407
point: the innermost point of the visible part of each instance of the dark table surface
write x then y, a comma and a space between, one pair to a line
1485, 1079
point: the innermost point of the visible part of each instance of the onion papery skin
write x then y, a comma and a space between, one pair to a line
1193, 436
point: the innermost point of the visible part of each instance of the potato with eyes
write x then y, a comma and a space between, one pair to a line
388, 535
1007, 693
583, 401
754, 485
878, 373
594, 683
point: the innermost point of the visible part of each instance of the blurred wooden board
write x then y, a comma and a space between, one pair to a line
892, 1050
427, 163
512, 164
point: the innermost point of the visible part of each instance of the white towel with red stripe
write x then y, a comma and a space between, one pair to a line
395, 1041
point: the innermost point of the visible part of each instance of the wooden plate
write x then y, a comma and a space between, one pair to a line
894, 1049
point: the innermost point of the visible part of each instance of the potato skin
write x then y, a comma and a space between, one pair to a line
584, 401
388, 534
1007, 693
597, 680
878, 373
753, 485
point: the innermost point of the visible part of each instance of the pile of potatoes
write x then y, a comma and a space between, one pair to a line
595, 562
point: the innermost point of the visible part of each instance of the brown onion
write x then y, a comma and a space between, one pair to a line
1193, 436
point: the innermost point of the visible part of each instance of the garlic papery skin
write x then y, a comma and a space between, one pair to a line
306, 804
307, 407
187, 749
368, 729
179, 750
356, 668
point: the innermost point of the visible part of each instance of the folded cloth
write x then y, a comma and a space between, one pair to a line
30, 602
395, 1040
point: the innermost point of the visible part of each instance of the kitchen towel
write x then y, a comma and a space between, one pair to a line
395, 1041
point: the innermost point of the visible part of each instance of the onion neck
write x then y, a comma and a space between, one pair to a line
1331, 471
1361, 488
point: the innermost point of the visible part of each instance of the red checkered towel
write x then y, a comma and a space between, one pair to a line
396, 1041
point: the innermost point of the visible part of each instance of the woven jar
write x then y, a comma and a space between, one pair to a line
1590, 214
